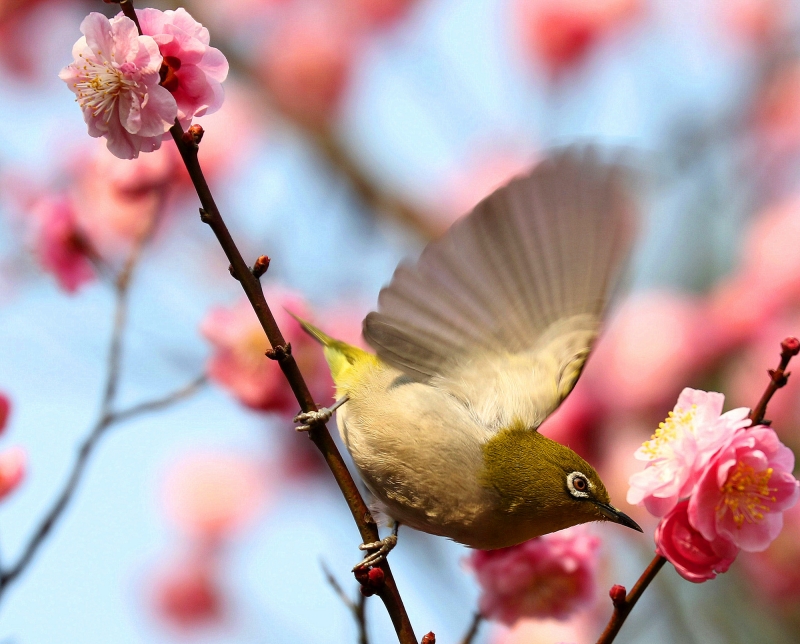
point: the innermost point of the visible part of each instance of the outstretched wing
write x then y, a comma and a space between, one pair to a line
526, 274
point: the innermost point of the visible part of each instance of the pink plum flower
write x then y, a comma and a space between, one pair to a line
12, 470
193, 71
238, 362
5, 411
694, 557
115, 77
187, 592
550, 576
212, 495
61, 247
745, 489
680, 449
562, 32
308, 63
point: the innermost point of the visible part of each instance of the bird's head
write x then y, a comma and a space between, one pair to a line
547, 485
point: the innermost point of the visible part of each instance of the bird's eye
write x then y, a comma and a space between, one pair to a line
578, 485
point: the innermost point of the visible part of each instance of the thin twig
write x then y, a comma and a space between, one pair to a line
357, 608
160, 403
107, 418
475, 624
281, 352
790, 347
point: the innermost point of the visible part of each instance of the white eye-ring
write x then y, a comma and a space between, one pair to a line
578, 485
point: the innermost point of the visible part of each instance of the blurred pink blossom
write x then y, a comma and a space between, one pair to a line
776, 114
211, 495
187, 594
776, 571
680, 449
754, 20
238, 362
379, 13
117, 202
694, 558
561, 32
548, 631
653, 343
115, 77
745, 489
550, 576
308, 62
5, 411
766, 282
61, 247
193, 70
13, 465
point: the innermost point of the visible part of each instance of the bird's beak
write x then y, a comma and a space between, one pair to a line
612, 514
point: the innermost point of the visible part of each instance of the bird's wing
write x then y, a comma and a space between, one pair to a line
532, 265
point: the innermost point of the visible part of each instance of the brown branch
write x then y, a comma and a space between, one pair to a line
357, 608
281, 352
107, 418
623, 604
475, 624
777, 379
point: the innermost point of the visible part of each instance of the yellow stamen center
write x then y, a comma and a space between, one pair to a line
745, 494
668, 431
100, 87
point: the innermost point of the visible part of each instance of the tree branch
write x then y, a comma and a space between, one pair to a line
357, 608
475, 624
107, 418
623, 604
281, 352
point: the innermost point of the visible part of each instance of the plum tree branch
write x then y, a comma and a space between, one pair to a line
188, 144
624, 603
106, 419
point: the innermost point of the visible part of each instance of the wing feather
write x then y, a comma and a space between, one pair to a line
546, 248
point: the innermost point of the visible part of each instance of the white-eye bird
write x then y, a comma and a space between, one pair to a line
477, 343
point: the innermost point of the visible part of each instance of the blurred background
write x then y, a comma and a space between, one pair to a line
353, 132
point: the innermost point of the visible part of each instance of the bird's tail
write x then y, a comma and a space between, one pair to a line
342, 358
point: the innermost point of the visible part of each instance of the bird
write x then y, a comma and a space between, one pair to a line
475, 345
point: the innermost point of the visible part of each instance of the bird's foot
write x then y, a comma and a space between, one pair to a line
309, 419
381, 548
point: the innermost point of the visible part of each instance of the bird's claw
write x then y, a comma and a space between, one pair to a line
310, 418
381, 548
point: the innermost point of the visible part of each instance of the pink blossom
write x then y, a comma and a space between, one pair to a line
380, 13
745, 489
13, 463
561, 32
695, 558
194, 71
308, 63
5, 411
187, 592
238, 362
754, 20
678, 452
115, 77
116, 202
550, 576
211, 495
61, 247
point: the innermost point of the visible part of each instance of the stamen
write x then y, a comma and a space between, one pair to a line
668, 431
746, 495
